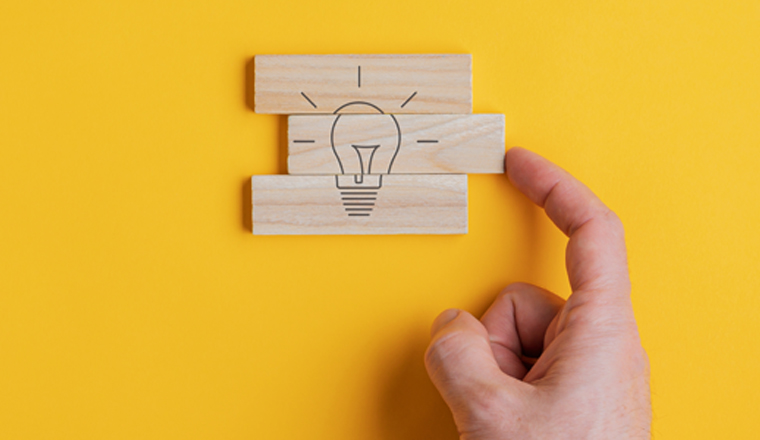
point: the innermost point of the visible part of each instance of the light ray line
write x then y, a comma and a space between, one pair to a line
310, 101
408, 99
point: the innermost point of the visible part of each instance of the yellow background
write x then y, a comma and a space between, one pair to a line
134, 302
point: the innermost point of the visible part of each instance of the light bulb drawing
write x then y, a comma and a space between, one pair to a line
365, 147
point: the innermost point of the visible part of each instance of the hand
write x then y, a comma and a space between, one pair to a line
535, 366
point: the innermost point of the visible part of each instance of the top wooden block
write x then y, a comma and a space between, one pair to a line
395, 84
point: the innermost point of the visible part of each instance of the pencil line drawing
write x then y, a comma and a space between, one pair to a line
408, 99
310, 101
362, 165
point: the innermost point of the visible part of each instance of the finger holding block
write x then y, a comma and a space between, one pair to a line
369, 204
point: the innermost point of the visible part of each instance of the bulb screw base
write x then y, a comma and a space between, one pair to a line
358, 198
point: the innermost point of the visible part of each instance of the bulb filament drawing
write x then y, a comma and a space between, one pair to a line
366, 153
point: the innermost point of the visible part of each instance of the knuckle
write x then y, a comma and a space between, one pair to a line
642, 362
448, 350
509, 293
614, 221
491, 410
515, 288
443, 348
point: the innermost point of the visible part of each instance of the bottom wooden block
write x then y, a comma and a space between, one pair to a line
370, 204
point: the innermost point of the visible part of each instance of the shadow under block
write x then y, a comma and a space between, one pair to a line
404, 204
415, 144
295, 84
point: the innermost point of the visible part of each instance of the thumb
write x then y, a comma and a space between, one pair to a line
460, 361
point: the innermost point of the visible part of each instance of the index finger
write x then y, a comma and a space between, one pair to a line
596, 255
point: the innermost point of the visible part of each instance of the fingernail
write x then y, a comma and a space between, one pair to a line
444, 318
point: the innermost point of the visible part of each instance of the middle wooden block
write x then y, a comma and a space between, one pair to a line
396, 144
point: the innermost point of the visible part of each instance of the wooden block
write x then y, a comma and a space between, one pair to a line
295, 84
401, 144
380, 204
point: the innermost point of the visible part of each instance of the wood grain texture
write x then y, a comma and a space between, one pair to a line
405, 204
429, 144
296, 84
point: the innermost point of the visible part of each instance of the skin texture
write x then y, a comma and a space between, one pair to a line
537, 366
